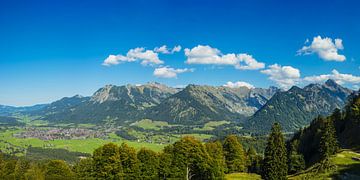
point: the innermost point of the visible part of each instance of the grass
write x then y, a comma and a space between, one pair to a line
345, 165
209, 126
244, 176
150, 124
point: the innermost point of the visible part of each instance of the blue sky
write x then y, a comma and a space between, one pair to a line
52, 49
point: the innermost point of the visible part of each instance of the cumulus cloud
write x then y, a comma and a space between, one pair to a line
336, 76
147, 57
212, 56
238, 84
325, 48
284, 76
168, 72
165, 50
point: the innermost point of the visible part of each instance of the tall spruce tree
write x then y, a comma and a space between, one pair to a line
328, 145
275, 160
234, 154
296, 159
253, 160
328, 141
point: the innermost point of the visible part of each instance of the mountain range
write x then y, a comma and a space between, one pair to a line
256, 108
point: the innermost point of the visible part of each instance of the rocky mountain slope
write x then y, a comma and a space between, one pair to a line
119, 103
197, 104
296, 107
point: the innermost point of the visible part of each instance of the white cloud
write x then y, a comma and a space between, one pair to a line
336, 76
165, 50
284, 76
208, 55
325, 48
238, 84
168, 72
147, 57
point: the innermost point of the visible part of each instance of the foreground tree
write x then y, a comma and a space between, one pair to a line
190, 160
107, 164
84, 169
275, 160
58, 169
216, 153
296, 159
149, 164
328, 145
234, 154
129, 161
253, 160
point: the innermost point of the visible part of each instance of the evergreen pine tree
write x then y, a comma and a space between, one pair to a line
296, 160
275, 160
328, 145
253, 160
234, 155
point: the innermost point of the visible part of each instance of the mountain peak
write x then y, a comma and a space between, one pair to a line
331, 83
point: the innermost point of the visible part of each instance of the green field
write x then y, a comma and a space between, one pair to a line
347, 167
76, 145
150, 124
209, 126
242, 176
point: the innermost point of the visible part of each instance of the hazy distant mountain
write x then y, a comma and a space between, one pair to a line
11, 110
198, 104
120, 103
296, 107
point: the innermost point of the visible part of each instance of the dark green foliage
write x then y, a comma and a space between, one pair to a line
149, 164
253, 161
124, 133
20, 168
190, 160
296, 159
296, 107
328, 142
58, 169
165, 162
35, 172
216, 153
84, 169
129, 161
275, 158
340, 129
107, 161
39, 154
234, 154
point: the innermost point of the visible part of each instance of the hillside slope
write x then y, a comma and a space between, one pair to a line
296, 107
198, 104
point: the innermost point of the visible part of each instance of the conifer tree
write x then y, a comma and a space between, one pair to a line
234, 155
253, 160
296, 159
275, 160
328, 145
